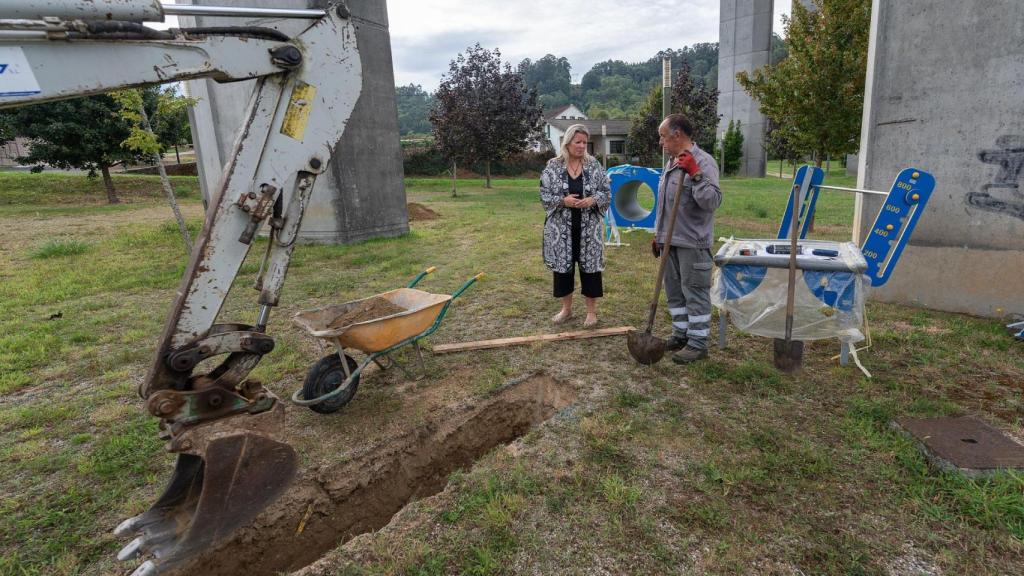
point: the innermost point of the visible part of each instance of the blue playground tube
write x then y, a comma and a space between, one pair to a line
625, 180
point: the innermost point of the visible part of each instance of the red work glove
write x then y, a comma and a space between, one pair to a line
688, 163
655, 249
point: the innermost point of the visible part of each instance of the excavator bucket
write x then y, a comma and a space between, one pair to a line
227, 472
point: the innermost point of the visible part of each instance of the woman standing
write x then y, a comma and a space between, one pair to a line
575, 193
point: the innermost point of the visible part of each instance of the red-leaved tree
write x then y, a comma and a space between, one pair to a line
483, 111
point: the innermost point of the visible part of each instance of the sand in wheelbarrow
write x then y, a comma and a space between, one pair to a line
370, 309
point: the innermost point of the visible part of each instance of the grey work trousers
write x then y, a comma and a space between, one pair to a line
688, 290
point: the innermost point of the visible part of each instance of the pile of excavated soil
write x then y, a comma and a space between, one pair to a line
420, 212
370, 309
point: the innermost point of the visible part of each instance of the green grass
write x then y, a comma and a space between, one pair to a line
727, 467
22, 192
52, 248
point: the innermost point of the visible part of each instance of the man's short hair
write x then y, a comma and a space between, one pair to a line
679, 123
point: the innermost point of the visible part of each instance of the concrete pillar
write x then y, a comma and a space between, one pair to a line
362, 195
944, 93
745, 35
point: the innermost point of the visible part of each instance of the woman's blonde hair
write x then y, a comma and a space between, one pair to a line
570, 133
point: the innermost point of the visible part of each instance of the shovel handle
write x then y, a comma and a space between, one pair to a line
665, 249
794, 234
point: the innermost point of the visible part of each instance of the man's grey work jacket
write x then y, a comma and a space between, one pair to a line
695, 221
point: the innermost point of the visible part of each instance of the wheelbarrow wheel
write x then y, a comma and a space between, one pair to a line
325, 376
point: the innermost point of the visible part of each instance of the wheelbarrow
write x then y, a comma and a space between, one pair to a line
333, 380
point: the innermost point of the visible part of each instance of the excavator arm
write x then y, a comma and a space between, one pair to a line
224, 427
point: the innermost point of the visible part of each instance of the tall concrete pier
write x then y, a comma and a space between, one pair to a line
362, 195
744, 44
945, 93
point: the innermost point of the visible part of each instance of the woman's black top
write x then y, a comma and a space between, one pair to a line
576, 189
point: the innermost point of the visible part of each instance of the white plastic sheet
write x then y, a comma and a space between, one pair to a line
751, 286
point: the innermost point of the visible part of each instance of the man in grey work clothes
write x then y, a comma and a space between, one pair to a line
688, 274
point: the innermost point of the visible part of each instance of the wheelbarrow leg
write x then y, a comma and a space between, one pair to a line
341, 354
419, 358
393, 362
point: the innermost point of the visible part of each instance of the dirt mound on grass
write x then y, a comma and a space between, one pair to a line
420, 212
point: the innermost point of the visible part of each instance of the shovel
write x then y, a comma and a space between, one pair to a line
789, 353
645, 347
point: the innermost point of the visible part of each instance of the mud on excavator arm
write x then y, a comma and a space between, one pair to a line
224, 428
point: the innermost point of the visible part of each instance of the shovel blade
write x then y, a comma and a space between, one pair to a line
644, 347
789, 355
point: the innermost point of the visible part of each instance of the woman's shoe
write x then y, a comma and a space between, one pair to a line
562, 317
591, 321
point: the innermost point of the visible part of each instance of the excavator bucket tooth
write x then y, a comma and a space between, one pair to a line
230, 476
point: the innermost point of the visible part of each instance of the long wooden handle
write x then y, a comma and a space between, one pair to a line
664, 251
794, 234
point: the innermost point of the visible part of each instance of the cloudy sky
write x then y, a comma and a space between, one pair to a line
426, 36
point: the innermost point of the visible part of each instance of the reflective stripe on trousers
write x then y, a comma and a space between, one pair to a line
688, 289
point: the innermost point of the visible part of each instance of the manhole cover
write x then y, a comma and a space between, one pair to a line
966, 444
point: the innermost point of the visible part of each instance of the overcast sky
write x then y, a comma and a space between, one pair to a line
426, 36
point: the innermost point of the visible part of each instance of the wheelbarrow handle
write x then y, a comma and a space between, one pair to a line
421, 276
467, 285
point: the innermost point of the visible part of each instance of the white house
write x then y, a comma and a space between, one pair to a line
607, 137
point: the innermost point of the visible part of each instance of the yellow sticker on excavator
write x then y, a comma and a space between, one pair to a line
299, 107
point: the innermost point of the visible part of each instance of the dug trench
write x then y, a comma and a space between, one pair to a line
327, 506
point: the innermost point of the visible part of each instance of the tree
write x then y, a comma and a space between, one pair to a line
690, 97
732, 146
144, 141
170, 123
84, 133
815, 96
7, 128
777, 146
551, 77
483, 111
414, 105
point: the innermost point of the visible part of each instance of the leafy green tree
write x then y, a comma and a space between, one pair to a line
414, 105
550, 76
483, 111
7, 129
84, 133
143, 140
733, 147
815, 96
170, 123
779, 49
690, 97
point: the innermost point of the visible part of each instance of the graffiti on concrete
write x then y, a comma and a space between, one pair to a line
1004, 194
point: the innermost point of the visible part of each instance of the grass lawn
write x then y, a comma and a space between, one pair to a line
727, 467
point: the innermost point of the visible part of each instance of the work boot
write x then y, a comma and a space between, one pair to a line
675, 343
689, 354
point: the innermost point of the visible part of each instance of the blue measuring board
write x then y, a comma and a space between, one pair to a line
895, 222
808, 199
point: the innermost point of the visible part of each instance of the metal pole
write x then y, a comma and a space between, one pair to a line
136, 10
666, 95
840, 188
189, 10
604, 145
